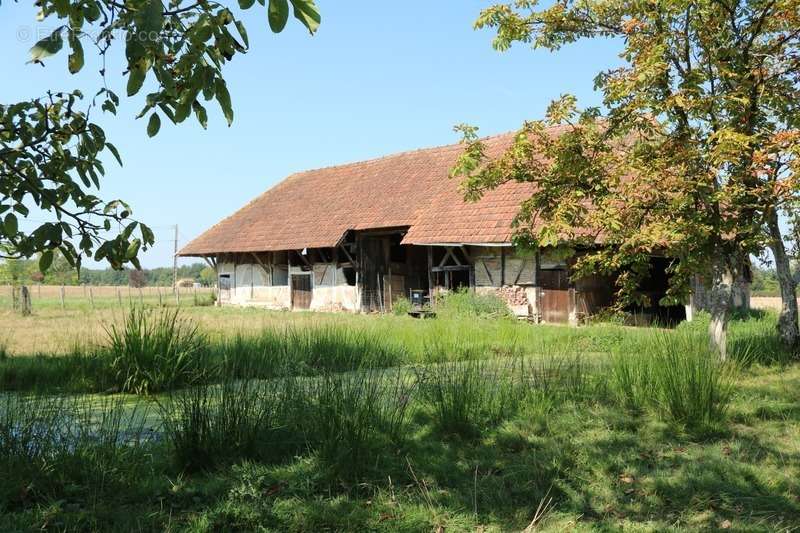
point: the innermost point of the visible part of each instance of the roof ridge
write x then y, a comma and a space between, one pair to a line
396, 154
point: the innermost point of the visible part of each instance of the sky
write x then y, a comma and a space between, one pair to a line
378, 78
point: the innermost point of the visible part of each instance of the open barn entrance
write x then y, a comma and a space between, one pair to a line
654, 287
389, 270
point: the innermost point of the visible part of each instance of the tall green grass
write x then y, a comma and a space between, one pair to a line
354, 420
209, 426
677, 375
153, 351
51, 443
350, 421
466, 396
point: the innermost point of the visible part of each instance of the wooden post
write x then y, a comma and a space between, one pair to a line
430, 276
25, 303
91, 296
14, 298
119, 297
160, 301
502, 266
61, 293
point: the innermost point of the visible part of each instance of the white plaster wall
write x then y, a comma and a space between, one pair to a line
338, 298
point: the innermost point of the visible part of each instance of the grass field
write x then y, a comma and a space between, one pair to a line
240, 419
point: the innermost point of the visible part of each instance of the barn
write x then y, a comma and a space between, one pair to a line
357, 237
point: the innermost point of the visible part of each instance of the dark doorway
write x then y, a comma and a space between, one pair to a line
301, 291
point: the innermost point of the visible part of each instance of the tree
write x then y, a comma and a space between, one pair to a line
682, 159
50, 148
137, 279
14, 271
208, 276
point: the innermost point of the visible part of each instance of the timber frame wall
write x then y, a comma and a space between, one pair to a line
368, 271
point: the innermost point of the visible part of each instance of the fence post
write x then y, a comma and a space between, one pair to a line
91, 297
26, 300
119, 297
14, 302
61, 294
160, 302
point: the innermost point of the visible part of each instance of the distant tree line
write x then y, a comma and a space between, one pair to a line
26, 271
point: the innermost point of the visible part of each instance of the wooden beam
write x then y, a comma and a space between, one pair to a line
521, 268
502, 267
304, 259
430, 274
491, 280
466, 253
449, 253
263, 267
350, 258
451, 268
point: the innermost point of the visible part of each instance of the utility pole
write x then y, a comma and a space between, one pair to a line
175, 261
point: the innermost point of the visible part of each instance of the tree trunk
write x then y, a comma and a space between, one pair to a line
788, 327
721, 296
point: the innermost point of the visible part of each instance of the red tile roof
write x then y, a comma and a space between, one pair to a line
314, 209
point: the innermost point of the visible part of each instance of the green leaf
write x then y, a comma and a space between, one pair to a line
45, 260
200, 112
246, 4
135, 81
243, 33
133, 249
48, 46
153, 125
10, 225
150, 19
114, 152
147, 234
306, 12
224, 99
278, 14
75, 61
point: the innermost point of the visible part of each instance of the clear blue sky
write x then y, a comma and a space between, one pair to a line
378, 78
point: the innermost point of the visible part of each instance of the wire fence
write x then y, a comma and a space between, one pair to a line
24, 298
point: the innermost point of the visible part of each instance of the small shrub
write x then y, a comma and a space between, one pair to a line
401, 306
155, 351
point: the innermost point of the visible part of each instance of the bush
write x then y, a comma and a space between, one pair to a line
468, 303
155, 351
401, 306
676, 374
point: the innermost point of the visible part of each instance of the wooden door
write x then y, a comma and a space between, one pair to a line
301, 291
554, 305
